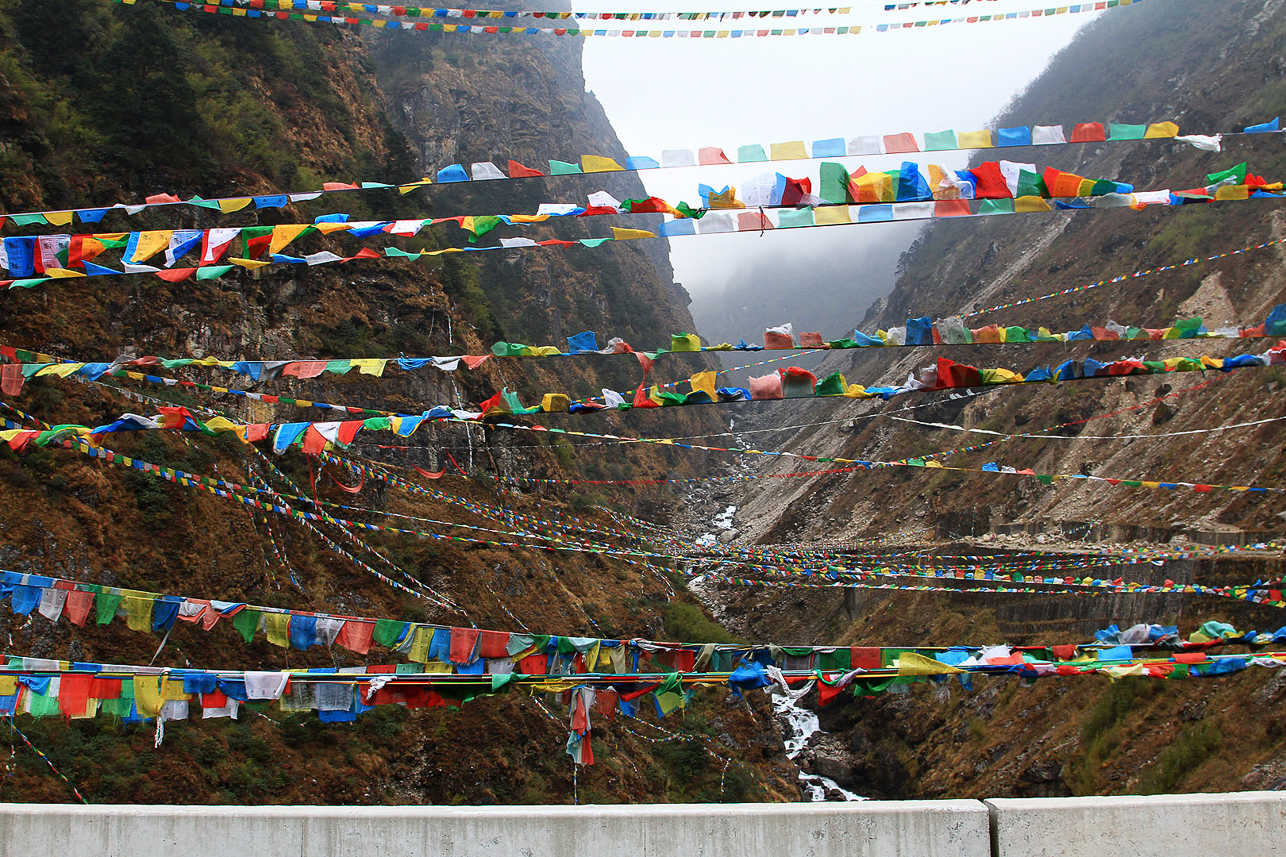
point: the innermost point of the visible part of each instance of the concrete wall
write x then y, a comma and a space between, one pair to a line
1251, 823
868, 829
1218, 825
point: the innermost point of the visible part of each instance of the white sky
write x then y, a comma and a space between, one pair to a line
680, 93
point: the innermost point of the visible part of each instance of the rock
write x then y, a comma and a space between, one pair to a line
1040, 539
835, 769
727, 536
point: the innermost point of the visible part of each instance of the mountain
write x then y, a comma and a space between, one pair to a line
103, 104
1208, 66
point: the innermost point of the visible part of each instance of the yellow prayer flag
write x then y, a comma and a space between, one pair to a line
1028, 204
8, 685
227, 206
58, 218
284, 234
620, 234
220, 424
277, 627
704, 381
829, 215
370, 366
172, 690
1159, 130
910, 663
596, 164
328, 228
726, 198
421, 640
793, 150
249, 264
147, 695
974, 140
138, 613
150, 242
555, 403
1235, 191
404, 189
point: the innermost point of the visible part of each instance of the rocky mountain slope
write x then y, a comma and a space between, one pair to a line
1208, 66
87, 117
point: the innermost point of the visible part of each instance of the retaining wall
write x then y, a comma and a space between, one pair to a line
1251, 823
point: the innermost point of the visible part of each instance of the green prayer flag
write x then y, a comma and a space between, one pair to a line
833, 186
388, 633
831, 385
561, 168
751, 154
246, 622
1118, 131
1030, 184
940, 141
482, 224
107, 602
1238, 172
789, 219
996, 206
212, 272
688, 211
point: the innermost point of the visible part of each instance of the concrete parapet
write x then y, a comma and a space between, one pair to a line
949, 828
1155, 826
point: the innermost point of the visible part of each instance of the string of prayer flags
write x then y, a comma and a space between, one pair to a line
848, 146
52, 688
18, 253
923, 462
312, 13
789, 383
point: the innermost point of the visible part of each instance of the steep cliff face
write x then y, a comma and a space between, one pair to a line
1209, 66
1213, 68
91, 118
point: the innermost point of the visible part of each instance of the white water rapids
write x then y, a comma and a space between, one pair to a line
802, 725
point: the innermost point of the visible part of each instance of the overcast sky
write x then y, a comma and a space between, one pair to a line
679, 93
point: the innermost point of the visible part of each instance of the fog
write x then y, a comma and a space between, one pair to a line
680, 93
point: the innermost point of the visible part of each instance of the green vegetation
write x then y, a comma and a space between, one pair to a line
685, 622
1101, 731
1184, 755
117, 99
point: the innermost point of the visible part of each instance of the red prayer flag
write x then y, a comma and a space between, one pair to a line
951, 208
356, 636
73, 693
77, 606
1088, 132
492, 644
991, 182
176, 275
896, 143
518, 171
463, 642
866, 657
